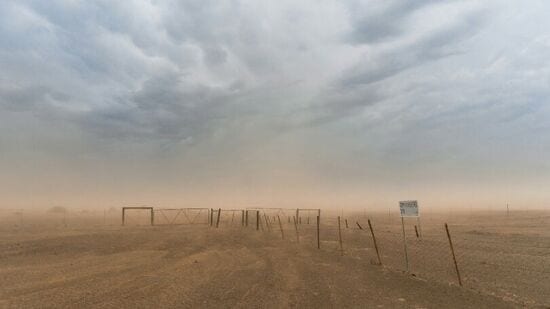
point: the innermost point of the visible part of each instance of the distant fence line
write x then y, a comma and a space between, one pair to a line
513, 267
510, 266
517, 272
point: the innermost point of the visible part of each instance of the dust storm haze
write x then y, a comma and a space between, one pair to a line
274, 154
344, 104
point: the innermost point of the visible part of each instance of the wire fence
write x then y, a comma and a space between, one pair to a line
495, 261
505, 255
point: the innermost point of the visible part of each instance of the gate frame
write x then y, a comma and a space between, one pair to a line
183, 209
138, 207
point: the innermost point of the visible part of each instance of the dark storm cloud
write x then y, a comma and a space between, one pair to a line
377, 22
373, 77
443, 42
165, 108
27, 98
359, 86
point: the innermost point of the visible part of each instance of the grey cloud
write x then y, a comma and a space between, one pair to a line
362, 86
239, 74
166, 108
442, 43
215, 55
377, 22
27, 98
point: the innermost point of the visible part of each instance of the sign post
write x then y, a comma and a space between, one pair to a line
407, 209
405, 246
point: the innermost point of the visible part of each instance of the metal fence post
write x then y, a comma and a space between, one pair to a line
453, 253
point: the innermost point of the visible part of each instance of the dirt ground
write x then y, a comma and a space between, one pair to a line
197, 266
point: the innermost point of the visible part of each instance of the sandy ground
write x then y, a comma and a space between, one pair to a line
201, 267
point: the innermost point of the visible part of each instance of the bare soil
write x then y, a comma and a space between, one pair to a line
197, 266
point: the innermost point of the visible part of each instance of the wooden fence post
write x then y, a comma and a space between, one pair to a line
246, 218
261, 224
318, 234
281, 227
340, 236
267, 223
453, 253
242, 217
218, 220
211, 216
152, 217
257, 220
374, 241
296, 228
346, 220
419, 227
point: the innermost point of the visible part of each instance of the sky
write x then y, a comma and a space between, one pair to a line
274, 103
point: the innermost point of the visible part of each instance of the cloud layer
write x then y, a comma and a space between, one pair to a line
273, 102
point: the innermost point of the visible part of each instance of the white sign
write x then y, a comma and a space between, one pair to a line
408, 208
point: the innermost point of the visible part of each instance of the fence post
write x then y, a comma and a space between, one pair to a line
419, 227
296, 228
211, 216
257, 220
340, 236
267, 223
261, 224
374, 241
453, 253
246, 218
416, 231
281, 227
318, 236
242, 217
218, 220
123, 213
405, 245
346, 220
